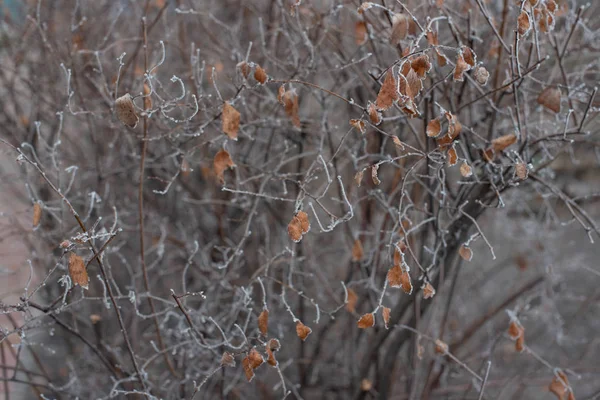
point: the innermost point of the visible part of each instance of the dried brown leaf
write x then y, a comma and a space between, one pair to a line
560, 387
77, 271
357, 251
272, 346
400, 28
466, 170
304, 222
415, 84
374, 177
481, 75
452, 156
461, 67
469, 56
360, 33
256, 359
248, 369
421, 65
359, 124
231, 120
441, 347
434, 127
221, 162
521, 170
352, 300
550, 98
37, 214
374, 115
302, 330
388, 93
263, 322
428, 290
260, 75
227, 360
523, 23
244, 68
295, 229
291, 105
358, 177
366, 321
465, 252
385, 313
126, 111
503, 142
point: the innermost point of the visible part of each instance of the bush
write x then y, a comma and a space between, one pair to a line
326, 199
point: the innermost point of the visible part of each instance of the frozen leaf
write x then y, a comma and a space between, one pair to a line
302, 330
397, 142
77, 271
400, 26
550, 98
374, 176
421, 65
521, 170
441, 347
263, 322
37, 214
231, 121
399, 278
465, 170
366, 321
291, 106
517, 333
560, 387
385, 313
428, 290
415, 84
388, 92
523, 23
358, 177
469, 56
256, 359
221, 162
260, 75
434, 127
248, 369
461, 67
280, 94
452, 156
465, 252
360, 33
126, 111
454, 126
304, 223
295, 229
227, 360
357, 251
352, 300
271, 347
359, 124
481, 75
503, 142
399, 249
244, 69
374, 115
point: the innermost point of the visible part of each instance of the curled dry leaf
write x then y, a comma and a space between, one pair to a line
523, 23
397, 142
466, 170
454, 126
291, 106
469, 56
521, 170
260, 75
400, 27
428, 290
295, 229
434, 127
227, 360
399, 249
272, 346
400, 278
461, 67
358, 177
357, 251
452, 156
388, 93
304, 222
77, 271
37, 214
247, 369
231, 120
415, 84
126, 111
256, 359
481, 75
244, 69
385, 313
352, 300
221, 162
360, 33
465, 252
359, 124
366, 321
560, 387
263, 322
302, 330
517, 333
374, 115
441, 347
280, 94
550, 98
503, 142
421, 65
374, 177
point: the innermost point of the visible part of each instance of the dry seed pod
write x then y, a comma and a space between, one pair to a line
77, 271
550, 98
231, 120
263, 322
302, 330
37, 214
126, 111
385, 312
388, 93
366, 321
